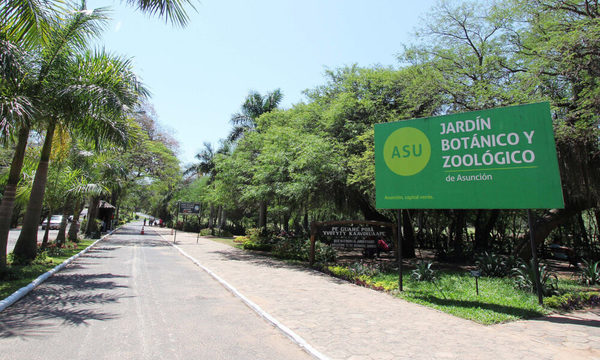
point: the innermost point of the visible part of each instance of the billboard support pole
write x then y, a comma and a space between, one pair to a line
534, 258
400, 239
175, 225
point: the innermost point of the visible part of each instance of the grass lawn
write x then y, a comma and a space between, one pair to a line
226, 241
20, 276
454, 293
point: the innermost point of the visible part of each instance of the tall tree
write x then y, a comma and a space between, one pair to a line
89, 91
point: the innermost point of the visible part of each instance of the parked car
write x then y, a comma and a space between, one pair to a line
54, 220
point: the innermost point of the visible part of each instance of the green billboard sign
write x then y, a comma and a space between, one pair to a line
502, 158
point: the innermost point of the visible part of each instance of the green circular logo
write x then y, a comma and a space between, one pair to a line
407, 151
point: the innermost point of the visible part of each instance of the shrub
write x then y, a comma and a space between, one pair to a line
524, 275
423, 272
340, 271
494, 265
290, 248
364, 269
573, 301
590, 273
323, 253
251, 245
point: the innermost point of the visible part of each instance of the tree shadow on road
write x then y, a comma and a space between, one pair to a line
65, 299
571, 319
259, 259
502, 309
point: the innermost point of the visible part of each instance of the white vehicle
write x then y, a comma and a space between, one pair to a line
54, 220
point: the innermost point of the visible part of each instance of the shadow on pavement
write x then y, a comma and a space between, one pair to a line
570, 319
267, 261
509, 310
73, 299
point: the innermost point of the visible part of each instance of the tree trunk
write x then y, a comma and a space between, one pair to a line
211, 223
62, 230
10, 190
26, 245
542, 226
262, 214
92, 228
408, 244
305, 222
223, 219
483, 226
47, 231
74, 229
458, 227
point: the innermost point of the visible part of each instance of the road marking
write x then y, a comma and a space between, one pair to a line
287, 331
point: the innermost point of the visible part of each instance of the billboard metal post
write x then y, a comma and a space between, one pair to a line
534, 258
175, 225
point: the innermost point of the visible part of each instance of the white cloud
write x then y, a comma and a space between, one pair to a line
118, 26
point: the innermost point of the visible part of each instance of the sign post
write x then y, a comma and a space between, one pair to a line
400, 240
176, 219
503, 158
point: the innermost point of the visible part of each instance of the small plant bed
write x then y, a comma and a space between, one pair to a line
454, 292
17, 276
506, 285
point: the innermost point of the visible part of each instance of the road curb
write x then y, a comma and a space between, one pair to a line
297, 339
14, 297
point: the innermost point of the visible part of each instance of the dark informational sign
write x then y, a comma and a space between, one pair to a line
189, 208
502, 158
354, 236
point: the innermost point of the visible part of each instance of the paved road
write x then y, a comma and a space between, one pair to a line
349, 322
136, 297
13, 235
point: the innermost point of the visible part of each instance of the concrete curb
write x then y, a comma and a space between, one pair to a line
297, 339
14, 297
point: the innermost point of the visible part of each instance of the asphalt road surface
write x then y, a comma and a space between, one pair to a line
13, 235
135, 297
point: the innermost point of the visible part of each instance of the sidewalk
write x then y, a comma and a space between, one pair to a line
345, 321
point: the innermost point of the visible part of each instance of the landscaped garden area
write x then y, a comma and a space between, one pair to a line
504, 291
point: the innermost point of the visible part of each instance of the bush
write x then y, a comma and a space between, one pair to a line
524, 275
291, 248
573, 301
364, 269
494, 265
251, 245
423, 272
215, 232
590, 273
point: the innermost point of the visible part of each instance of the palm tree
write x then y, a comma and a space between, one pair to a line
25, 25
90, 91
254, 106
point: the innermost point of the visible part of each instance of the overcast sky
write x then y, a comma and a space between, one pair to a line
200, 75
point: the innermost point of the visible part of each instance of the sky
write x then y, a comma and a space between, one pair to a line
200, 75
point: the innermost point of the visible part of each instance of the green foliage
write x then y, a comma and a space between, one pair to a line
573, 300
524, 278
590, 272
423, 272
292, 248
215, 232
495, 265
358, 269
252, 245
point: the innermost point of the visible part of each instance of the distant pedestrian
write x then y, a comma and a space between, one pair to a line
144, 221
